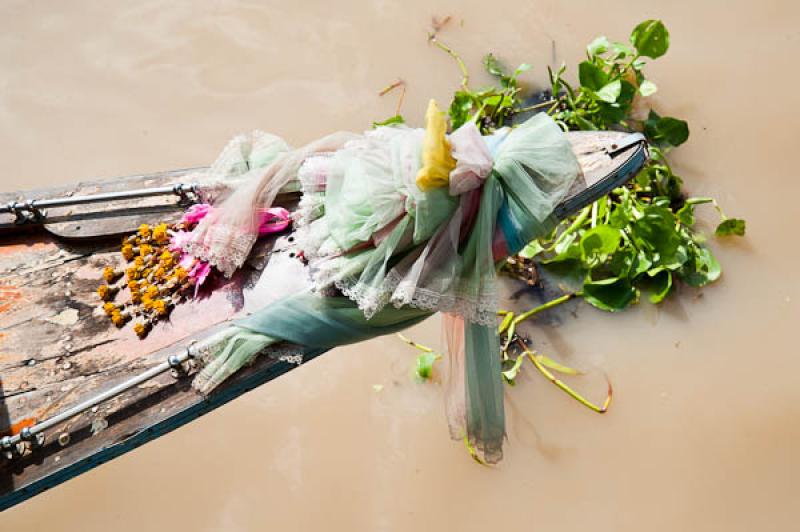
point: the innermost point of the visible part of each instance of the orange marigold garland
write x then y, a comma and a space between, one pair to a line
159, 275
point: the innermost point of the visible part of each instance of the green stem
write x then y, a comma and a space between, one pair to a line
464, 73
569, 391
550, 304
584, 214
540, 105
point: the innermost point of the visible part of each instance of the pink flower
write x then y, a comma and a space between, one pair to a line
178, 240
199, 274
187, 262
195, 213
273, 220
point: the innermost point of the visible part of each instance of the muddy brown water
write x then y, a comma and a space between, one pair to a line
703, 433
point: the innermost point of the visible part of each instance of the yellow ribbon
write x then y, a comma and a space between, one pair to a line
437, 162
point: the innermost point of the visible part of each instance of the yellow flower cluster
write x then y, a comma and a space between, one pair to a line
153, 279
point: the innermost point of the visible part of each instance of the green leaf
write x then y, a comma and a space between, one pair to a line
584, 124
611, 294
424, 367
621, 49
610, 92
673, 130
396, 119
622, 262
621, 215
598, 46
592, 76
659, 284
555, 366
626, 94
598, 243
666, 129
493, 100
493, 66
656, 232
531, 250
699, 201
686, 214
524, 67
701, 269
647, 88
650, 38
511, 369
460, 108
731, 226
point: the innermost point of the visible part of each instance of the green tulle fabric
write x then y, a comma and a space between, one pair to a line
422, 262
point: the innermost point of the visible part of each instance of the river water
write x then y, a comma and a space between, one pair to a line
703, 433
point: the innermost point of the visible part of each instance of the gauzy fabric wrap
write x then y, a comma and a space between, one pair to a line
473, 160
262, 164
399, 254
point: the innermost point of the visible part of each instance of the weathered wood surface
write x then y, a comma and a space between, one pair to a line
57, 348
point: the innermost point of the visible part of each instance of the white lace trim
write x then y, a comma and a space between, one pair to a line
480, 309
237, 246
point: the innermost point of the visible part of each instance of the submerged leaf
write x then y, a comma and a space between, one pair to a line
424, 367
731, 226
611, 294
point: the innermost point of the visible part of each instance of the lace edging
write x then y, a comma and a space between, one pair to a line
237, 246
481, 309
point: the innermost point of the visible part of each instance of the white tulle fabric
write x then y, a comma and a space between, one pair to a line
370, 232
262, 165
473, 160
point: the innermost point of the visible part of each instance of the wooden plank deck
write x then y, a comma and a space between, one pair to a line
57, 348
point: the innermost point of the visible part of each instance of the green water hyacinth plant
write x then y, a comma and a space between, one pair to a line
641, 238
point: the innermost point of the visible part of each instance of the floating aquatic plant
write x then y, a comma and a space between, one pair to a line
641, 237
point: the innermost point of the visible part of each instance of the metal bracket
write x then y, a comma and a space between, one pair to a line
187, 194
26, 212
33, 436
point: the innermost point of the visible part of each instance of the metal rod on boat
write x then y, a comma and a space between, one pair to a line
179, 189
30, 433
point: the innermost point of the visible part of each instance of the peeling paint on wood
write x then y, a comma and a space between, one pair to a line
57, 349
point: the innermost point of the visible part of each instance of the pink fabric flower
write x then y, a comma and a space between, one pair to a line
473, 159
186, 262
195, 213
178, 240
273, 220
199, 273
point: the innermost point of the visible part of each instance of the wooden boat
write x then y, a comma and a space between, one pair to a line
57, 350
